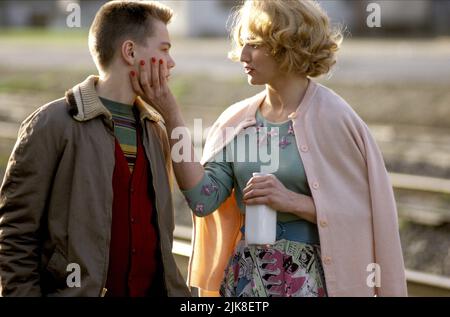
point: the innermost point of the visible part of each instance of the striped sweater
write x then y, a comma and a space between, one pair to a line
124, 119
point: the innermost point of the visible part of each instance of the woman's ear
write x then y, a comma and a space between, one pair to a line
128, 52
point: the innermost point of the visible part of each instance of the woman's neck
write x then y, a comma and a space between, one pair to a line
283, 97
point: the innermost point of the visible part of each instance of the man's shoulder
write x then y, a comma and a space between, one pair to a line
51, 116
58, 109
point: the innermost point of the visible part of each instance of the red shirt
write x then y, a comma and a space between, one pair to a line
134, 244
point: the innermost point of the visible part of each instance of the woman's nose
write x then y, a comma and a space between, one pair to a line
245, 56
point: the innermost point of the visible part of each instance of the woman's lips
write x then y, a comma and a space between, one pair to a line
248, 70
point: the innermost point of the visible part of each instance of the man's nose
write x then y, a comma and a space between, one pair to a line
170, 62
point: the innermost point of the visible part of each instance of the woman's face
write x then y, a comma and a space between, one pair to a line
259, 65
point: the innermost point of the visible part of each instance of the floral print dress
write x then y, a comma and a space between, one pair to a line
290, 267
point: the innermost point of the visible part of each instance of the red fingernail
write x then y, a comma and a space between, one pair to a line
132, 73
160, 61
153, 60
142, 63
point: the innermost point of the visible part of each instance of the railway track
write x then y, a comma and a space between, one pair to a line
419, 283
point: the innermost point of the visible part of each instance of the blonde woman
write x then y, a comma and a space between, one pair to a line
337, 222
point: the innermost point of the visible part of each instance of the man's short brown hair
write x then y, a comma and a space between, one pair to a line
117, 21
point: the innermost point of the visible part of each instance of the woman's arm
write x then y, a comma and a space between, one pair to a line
212, 190
204, 188
187, 172
151, 85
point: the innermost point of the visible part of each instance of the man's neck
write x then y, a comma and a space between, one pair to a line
116, 88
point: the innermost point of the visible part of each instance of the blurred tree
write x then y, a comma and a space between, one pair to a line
440, 17
2, 14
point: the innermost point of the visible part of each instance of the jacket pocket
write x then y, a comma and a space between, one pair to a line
57, 267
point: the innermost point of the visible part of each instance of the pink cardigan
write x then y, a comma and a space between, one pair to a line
356, 211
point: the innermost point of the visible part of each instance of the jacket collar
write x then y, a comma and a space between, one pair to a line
84, 103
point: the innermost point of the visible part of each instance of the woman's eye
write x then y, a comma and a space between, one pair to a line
252, 45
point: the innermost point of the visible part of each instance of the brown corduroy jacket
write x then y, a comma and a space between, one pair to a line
56, 198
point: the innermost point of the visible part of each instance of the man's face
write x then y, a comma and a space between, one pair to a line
157, 46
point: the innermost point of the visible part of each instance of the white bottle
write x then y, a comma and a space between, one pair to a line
260, 223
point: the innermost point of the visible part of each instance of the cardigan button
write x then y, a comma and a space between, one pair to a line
315, 185
327, 260
304, 148
323, 223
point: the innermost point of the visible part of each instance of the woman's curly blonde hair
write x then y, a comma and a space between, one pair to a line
297, 33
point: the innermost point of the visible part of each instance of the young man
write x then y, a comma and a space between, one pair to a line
85, 205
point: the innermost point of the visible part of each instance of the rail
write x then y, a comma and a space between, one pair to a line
420, 183
426, 215
419, 283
